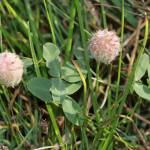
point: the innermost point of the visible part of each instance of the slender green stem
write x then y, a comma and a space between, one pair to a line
84, 87
35, 61
81, 25
85, 144
55, 126
103, 14
120, 56
33, 30
1, 43
49, 17
96, 94
83, 37
4, 111
97, 77
70, 32
37, 17
6, 93
74, 138
95, 107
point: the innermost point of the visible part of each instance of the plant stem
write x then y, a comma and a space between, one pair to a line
103, 14
33, 30
49, 17
84, 136
84, 87
97, 77
1, 41
120, 56
55, 126
70, 32
83, 38
35, 61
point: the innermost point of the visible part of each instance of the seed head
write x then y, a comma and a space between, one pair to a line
104, 46
11, 69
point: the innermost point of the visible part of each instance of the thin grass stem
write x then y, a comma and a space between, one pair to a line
34, 30
35, 61
120, 56
70, 32
55, 126
103, 14
49, 17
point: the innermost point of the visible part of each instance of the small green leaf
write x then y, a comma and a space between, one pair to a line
72, 111
27, 62
50, 52
70, 74
61, 87
142, 67
39, 87
54, 68
142, 90
58, 99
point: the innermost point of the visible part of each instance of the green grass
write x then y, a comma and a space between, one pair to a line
28, 122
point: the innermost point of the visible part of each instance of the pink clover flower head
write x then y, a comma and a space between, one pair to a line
11, 69
104, 46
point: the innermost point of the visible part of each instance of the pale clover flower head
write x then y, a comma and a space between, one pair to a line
104, 46
11, 69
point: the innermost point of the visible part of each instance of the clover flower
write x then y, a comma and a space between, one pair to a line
11, 69
104, 46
